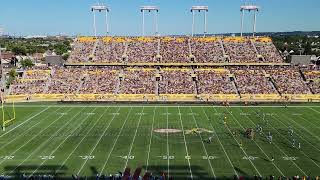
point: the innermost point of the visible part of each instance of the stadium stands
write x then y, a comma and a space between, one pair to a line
147, 80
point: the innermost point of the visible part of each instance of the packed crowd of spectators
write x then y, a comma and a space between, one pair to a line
65, 81
241, 51
214, 82
28, 87
176, 82
32, 82
99, 81
288, 80
312, 75
81, 51
138, 82
142, 50
111, 51
269, 52
253, 82
175, 50
206, 51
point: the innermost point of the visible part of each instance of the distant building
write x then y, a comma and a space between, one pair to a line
301, 59
54, 60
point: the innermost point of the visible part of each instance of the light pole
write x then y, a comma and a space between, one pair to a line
199, 9
249, 8
100, 8
155, 10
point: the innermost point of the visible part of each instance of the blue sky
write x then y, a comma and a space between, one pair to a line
73, 17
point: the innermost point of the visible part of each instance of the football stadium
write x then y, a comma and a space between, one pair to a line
164, 107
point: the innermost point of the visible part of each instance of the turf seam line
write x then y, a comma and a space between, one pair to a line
115, 142
168, 149
256, 142
150, 140
70, 154
25, 121
32, 138
26, 131
41, 144
134, 137
296, 128
205, 150
283, 151
244, 152
299, 151
225, 152
94, 147
61, 142
185, 145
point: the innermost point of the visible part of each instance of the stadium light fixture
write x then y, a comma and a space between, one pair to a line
100, 8
205, 10
155, 10
249, 8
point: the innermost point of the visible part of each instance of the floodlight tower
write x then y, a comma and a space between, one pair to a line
199, 9
100, 8
155, 10
249, 8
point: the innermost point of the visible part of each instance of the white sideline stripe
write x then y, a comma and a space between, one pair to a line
256, 142
204, 147
102, 134
150, 140
115, 142
283, 151
64, 162
25, 121
220, 143
185, 145
150, 105
61, 142
26, 131
42, 144
32, 138
134, 138
243, 151
304, 140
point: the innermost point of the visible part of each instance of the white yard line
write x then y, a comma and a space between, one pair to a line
32, 138
94, 147
277, 146
301, 138
74, 149
185, 145
256, 142
314, 110
220, 143
150, 140
204, 147
316, 137
57, 147
42, 143
254, 166
25, 121
115, 142
296, 128
26, 131
134, 137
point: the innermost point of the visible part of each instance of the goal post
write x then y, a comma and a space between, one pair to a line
8, 115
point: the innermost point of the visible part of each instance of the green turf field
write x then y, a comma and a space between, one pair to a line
90, 139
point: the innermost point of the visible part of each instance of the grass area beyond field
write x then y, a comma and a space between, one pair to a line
90, 139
